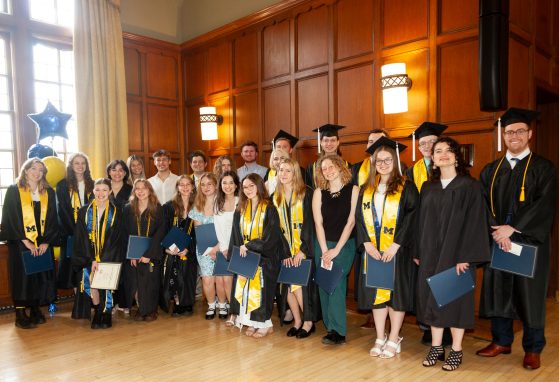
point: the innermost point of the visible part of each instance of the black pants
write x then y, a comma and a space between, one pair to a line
533, 340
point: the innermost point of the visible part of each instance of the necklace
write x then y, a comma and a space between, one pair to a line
335, 194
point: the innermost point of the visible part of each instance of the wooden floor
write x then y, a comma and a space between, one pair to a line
192, 349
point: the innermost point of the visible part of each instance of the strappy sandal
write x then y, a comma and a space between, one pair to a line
250, 331
391, 349
377, 349
231, 321
436, 353
453, 360
260, 333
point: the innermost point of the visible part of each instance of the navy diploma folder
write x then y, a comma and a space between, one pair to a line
380, 274
37, 264
328, 280
296, 275
137, 246
523, 265
447, 286
176, 237
244, 266
205, 237
69, 246
221, 265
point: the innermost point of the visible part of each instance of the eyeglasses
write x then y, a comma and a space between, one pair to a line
427, 143
387, 161
519, 133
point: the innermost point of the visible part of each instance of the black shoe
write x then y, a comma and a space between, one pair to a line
106, 320
427, 337
328, 339
178, 311
293, 331
210, 314
37, 317
22, 321
96, 320
447, 337
302, 333
338, 338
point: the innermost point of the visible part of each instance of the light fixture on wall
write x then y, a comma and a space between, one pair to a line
209, 120
395, 84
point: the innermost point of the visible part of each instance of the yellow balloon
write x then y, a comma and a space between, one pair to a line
56, 170
56, 251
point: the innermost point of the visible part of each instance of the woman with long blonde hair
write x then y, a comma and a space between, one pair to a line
135, 164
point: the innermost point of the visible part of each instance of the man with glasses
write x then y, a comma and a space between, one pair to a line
521, 192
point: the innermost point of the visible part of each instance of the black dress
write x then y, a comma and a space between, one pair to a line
452, 229
403, 297
38, 288
123, 195
179, 276
145, 277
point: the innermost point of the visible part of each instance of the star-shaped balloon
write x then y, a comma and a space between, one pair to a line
51, 122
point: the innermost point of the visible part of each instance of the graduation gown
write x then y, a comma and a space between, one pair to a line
145, 277
409, 172
37, 288
403, 296
123, 196
311, 298
504, 294
452, 229
270, 248
179, 276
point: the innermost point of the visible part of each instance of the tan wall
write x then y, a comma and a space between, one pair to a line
157, 19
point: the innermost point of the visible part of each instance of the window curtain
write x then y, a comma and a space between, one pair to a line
100, 83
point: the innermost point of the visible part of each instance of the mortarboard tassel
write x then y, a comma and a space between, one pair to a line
318, 138
413, 146
273, 144
499, 135
398, 159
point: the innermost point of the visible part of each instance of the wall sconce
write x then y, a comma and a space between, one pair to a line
209, 121
395, 84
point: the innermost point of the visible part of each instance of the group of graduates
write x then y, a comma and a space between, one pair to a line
427, 218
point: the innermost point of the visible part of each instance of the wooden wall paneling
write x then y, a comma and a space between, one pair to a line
312, 38
542, 67
353, 28
484, 147
162, 76
247, 118
5, 291
355, 98
521, 14
162, 126
417, 66
459, 82
307, 154
246, 59
135, 126
195, 75
193, 131
133, 71
404, 21
219, 67
276, 111
519, 74
458, 15
544, 26
276, 49
312, 105
224, 130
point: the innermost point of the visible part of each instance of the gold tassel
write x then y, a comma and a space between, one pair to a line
522, 194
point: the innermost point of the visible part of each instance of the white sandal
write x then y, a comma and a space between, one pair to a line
391, 349
378, 348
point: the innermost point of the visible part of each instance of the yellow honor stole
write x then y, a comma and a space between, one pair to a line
97, 227
188, 232
292, 232
420, 174
272, 174
28, 213
364, 171
251, 231
387, 225
76, 203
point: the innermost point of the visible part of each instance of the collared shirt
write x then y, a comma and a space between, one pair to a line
518, 158
196, 179
165, 190
245, 169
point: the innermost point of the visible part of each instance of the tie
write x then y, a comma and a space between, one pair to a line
513, 162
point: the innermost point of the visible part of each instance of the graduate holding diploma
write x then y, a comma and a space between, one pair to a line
97, 238
385, 223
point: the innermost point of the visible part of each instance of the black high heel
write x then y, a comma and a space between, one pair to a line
436, 353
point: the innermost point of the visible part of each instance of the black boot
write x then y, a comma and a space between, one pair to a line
106, 319
37, 317
96, 321
22, 321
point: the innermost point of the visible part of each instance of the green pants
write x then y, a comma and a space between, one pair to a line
333, 306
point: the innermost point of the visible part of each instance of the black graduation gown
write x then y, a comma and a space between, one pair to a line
311, 298
403, 296
179, 276
38, 288
452, 229
504, 294
145, 277
66, 278
270, 248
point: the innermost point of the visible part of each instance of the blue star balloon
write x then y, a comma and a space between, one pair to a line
40, 151
51, 122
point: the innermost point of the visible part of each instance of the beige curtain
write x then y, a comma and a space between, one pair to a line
100, 83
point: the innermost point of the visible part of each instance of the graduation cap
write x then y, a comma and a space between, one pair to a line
284, 135
328, 130
425, 129
514, 115
384, 141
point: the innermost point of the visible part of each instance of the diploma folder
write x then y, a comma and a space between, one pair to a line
296, 275
205, 237
137, 246
37, 264
380, 274
243, 266
176, 237
328, 280
447, 286
69, 246
221, 265
523, 265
